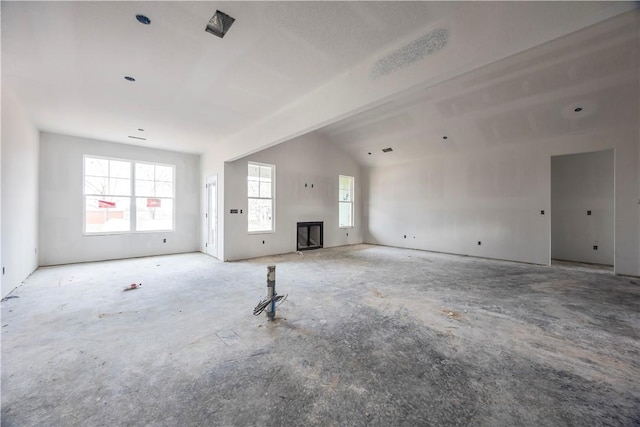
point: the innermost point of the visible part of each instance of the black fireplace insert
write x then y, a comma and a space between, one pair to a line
310, 235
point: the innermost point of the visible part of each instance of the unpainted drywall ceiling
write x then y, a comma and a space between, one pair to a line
192, 89
283, 69
522, 99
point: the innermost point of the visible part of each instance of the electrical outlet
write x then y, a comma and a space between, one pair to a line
347, 234
164, 240
588, 212
541, 212
479, 243
595, 247
263, 242
405, 236
3, 271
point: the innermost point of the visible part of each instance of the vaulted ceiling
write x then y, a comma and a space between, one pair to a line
286, 68
583, 81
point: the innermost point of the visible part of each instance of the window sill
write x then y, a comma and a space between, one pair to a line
261, 232
122, 233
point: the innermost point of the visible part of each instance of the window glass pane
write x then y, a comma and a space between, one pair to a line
260, 215
345, 219
164, 173
260, 193
346, 182
164, 189
144, 171
119, 187
119, 169
107, 214
265, 189
253, 189
154, 214
144, 188
265, 173
95, 185
345, 199
96, 167
254, 170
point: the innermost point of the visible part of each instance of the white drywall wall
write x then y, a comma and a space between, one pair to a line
308, 159
19, 194
61, 201
581, 183
449, 204
495, 195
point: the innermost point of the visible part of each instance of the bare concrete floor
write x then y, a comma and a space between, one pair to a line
368, 336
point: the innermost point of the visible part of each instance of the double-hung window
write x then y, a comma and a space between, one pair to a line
260, 191
345, 201
123, 196
107, 195
154, 197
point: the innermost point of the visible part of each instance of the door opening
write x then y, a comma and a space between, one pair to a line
212, 216
582, 210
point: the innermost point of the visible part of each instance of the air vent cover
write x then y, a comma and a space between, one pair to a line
386, 150
418, 49
219, 24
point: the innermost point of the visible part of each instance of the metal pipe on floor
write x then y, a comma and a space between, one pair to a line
271, 292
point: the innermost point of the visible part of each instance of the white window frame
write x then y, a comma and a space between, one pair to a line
350, 202
272, 198
132, 198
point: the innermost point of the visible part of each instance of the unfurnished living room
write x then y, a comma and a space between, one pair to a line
320, 213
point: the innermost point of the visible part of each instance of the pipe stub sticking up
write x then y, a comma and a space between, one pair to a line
271, 291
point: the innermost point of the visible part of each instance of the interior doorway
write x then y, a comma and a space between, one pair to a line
212, 216
582, 210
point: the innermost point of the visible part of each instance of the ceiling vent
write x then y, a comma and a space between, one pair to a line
386, 150
219, 24
418, 49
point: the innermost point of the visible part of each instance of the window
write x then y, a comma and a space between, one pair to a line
260, 180
154, 197
345, 201
107, 191
123, 196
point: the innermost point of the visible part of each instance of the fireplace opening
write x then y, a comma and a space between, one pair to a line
309, 235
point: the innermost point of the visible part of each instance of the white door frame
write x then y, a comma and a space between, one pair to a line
211, 244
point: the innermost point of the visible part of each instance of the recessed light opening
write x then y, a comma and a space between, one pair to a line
140, 130
445, 137
143, 19
386, 150
219, 24
129, 78
578, 109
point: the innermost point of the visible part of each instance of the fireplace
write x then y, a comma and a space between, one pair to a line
309, 235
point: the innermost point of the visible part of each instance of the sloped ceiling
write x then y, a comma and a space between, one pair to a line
286, 68
522, 99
